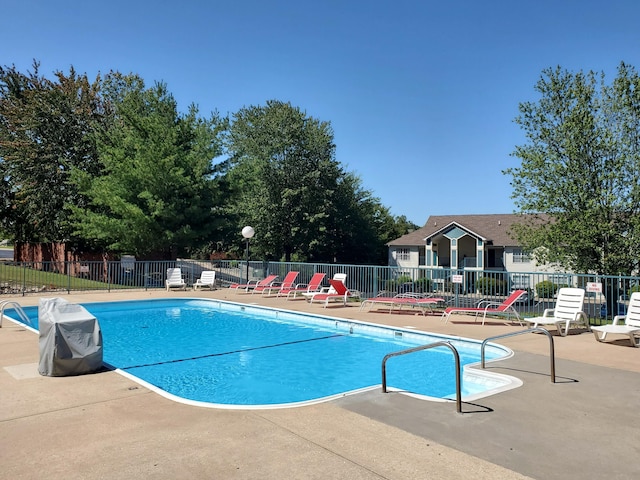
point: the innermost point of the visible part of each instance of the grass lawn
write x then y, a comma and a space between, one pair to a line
18, 277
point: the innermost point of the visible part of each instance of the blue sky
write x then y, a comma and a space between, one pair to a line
421, 94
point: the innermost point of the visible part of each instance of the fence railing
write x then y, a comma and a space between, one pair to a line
459, 287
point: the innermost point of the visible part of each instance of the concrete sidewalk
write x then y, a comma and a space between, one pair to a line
106, 426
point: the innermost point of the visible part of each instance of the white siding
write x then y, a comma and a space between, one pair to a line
397, 257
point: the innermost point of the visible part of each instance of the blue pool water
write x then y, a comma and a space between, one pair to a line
230, 354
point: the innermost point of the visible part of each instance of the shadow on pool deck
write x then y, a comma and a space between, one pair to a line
106, 426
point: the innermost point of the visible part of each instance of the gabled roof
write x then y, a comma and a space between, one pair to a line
493, 228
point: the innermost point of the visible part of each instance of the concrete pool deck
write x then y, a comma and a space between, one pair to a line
104, 425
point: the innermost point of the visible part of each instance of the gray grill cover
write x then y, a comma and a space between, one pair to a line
70, 339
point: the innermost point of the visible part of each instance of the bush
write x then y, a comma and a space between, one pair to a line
404, 284
491, 286
548, 289
394, 285
422, 285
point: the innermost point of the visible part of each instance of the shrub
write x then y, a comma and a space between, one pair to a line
491, 286
547, 289
394, 285
422, 285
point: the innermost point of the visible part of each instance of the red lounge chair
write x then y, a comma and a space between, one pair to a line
251, 285
314, 285
288, 282
404, 299
487, 307
341, 277
341, 294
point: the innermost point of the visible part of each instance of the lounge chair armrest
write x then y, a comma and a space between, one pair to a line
486, 304
585, 320
617, 318
489, 305
548, 312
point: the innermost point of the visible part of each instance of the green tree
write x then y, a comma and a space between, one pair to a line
155, 195
579, 173
283, 174
45, 132
284, 180
361, 225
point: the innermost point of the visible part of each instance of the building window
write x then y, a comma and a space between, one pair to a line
560, 279
403, 254
520, 257
520, 281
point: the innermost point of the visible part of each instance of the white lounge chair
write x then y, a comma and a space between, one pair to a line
174, 279
631, 326
340, 277
207, 279
340, 294
567, 311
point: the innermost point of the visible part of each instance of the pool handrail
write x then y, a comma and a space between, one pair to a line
425, 347
18, 308
552, 356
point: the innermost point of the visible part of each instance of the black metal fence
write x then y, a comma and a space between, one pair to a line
605, 295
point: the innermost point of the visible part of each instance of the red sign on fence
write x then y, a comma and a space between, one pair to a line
594, 287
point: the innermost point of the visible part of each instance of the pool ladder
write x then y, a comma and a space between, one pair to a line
482, 356
456, 357
16, 306
552, 355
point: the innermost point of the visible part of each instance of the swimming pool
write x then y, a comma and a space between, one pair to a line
218, 353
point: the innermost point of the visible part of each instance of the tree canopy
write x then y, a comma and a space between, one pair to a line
45, 133
283, 166
154, 194
291, 189
580, 169
113, 166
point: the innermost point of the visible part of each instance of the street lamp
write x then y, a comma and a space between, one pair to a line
248, 233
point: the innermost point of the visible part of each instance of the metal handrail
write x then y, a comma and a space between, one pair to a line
425, 347
520, 332
18, 308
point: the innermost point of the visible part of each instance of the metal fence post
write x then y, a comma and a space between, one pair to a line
24, 279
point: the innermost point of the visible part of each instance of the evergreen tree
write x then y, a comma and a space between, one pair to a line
155, 194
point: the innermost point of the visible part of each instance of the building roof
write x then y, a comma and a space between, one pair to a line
493, 228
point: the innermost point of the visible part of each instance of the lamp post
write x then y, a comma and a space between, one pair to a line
248, 233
